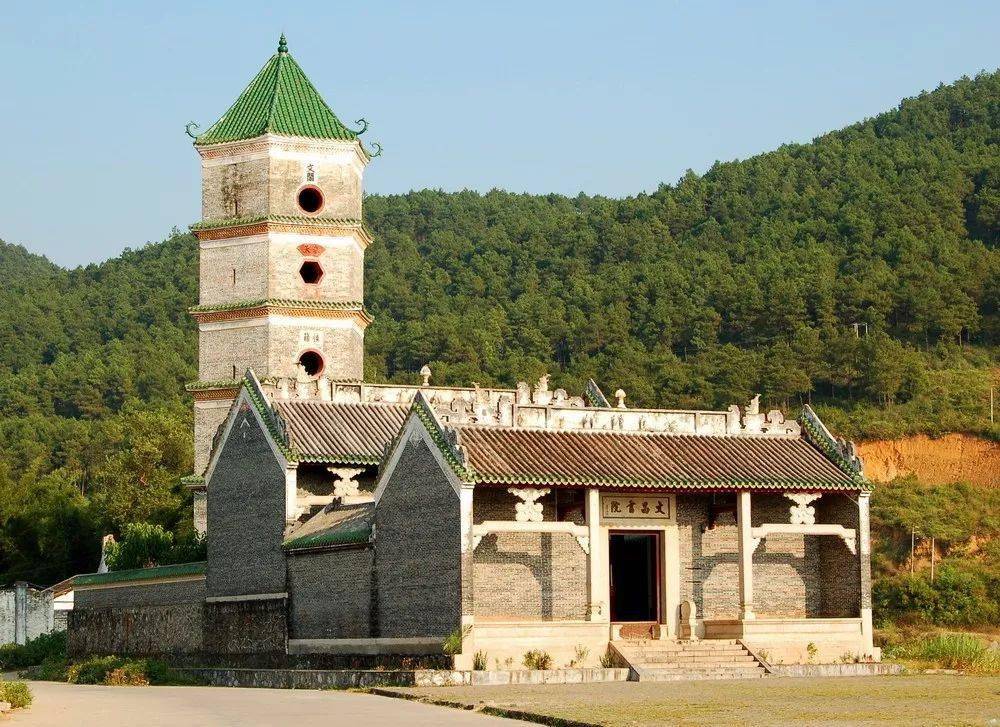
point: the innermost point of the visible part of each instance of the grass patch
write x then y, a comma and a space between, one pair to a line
17, 693
962, 651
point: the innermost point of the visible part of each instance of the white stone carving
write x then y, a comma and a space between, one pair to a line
580, 532
541, 395
528, 510
848, 535
620, 396
753, 420
802, 512
346, 485
425, 372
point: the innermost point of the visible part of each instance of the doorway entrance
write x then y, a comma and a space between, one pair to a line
634, 560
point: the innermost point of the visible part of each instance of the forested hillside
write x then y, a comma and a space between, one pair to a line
859, 272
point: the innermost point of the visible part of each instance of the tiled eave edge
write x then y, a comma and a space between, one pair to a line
193, 481
346, 458
275, 425
247, 226
352, 537
446, 442
819, 436
618, 483
186, 571
285, 306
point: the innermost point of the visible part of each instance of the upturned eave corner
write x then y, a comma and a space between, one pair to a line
840, 451
446, 440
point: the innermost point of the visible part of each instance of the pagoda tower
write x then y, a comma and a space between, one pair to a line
281, 245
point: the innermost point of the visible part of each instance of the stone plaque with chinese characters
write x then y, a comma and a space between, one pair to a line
637, 507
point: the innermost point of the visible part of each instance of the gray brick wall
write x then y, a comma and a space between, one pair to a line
330, 594
794, 576
246, 515
152, 594
839, 569
526, 575
786, 572
709, 561
418, 549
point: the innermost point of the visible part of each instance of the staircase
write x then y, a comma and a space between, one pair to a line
664, 661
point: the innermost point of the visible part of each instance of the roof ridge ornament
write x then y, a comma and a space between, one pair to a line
282, 44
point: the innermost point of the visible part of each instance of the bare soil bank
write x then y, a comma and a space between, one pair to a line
951, 458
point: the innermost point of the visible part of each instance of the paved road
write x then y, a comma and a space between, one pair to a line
99, 706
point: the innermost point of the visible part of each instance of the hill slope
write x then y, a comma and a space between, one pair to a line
748, 278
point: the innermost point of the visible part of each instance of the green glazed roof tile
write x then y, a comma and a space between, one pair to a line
279, 100
141, 574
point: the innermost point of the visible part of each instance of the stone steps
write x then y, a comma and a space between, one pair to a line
673, 661
695, 659
668, 675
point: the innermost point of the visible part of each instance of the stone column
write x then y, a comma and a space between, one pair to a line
865, 567
291, 494
598, 608
20, 612
746, 548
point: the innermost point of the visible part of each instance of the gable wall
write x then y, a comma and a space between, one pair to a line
418, 548
246, 514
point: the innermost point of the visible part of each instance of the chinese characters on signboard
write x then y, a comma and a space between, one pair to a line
628, 507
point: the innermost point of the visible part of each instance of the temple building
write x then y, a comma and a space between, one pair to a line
347, 518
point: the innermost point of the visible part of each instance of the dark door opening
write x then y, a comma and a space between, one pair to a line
635, 576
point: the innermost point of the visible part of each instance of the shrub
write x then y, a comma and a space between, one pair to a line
17, 693
53, 669
580, 654
33, 651
959, 596
119, 671
479, 661
609, 660
93, 670
537, 659
453, 644
131, 674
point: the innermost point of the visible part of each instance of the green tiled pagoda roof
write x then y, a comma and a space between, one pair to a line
141, 574
280, 303
286, 219
279, 100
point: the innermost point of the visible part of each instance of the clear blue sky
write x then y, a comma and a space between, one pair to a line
608, 98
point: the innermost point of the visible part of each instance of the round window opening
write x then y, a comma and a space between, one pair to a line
312, 362
311, 272
310, 199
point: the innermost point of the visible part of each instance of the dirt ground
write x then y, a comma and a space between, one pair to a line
947, 459
891, 700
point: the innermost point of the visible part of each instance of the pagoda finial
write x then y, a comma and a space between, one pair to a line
282, 44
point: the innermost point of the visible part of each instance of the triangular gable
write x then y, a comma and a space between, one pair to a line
250, 398
422, 424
